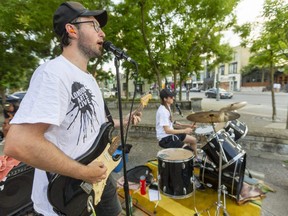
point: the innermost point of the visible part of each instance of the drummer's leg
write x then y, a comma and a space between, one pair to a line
192, 141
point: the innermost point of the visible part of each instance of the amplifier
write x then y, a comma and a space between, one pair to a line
15, 192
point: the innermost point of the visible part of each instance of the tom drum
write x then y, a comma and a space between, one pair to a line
232, 151
236, 128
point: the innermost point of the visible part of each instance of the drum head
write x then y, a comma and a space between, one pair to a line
204, 130
175, 154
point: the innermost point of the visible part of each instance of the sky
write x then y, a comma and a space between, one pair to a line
246, 11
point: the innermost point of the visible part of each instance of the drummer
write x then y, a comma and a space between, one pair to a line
167, 135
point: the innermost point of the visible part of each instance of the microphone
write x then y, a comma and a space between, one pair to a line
108, 46
179, 110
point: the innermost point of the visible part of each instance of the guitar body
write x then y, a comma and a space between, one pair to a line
70, 196
67, 195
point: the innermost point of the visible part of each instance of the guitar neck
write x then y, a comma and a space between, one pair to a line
116, 140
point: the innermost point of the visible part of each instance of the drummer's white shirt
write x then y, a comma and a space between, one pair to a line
67, 98
162, 119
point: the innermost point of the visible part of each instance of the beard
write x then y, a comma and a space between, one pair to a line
89, 50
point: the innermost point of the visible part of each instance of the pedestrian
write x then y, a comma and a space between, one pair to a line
63, 110
10, 108
172, 134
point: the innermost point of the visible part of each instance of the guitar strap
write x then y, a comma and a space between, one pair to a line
110, 119
108, 114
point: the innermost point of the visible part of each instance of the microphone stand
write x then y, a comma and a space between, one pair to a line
126, 185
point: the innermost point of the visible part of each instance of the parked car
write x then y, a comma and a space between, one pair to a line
195, 89
16, 96
107, 93
212, 93
183, 89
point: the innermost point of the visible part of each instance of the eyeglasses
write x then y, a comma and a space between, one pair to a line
95, 24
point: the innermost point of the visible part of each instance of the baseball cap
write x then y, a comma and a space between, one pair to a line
164, 93
69, 11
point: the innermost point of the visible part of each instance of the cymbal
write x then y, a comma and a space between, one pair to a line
234, 106
212, 116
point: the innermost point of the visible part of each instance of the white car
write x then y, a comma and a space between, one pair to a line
107, 93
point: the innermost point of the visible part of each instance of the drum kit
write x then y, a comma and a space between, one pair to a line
223, 163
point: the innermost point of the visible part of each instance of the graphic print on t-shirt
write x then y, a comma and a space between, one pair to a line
83, 105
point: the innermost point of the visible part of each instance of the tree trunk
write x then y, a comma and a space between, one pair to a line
272, 90
287, 119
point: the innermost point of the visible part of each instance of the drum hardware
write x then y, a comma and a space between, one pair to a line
213, 117
231, 133
234, 106
193, 180
236, 128
221, 188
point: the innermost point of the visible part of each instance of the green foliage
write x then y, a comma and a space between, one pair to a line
165, 37
271, 46
170, 37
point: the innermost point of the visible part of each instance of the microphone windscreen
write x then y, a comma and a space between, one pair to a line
107, 44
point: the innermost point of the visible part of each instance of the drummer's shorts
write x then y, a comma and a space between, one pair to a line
172, 141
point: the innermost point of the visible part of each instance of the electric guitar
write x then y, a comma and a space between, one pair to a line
74, 197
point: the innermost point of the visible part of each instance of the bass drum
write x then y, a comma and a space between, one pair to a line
236, 129
175, 172
232, 180
232, 152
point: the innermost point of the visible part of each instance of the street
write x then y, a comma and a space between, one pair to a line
256, 101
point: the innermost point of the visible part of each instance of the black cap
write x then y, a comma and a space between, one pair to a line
164, 93
68, 11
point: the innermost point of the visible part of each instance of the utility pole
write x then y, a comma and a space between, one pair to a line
217, 87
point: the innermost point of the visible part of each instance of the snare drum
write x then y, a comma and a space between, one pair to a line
175, 172
203, 132
232, 180
237, 128
232, 152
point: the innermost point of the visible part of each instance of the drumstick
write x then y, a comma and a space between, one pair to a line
193, 125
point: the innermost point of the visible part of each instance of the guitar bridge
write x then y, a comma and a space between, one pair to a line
87, 187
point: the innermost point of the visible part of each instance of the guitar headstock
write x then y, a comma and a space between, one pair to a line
145, 99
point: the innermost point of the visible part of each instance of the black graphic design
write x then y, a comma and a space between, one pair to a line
82, 99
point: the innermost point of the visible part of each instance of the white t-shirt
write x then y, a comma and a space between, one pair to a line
70, 100
162, 119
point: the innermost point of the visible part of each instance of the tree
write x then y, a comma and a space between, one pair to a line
27, 39
270, 48
169, 37
166, 37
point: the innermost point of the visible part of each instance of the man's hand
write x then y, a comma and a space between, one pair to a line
135, 118
96, 172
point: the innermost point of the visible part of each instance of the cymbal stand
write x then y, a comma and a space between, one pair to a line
221, 188
193, 180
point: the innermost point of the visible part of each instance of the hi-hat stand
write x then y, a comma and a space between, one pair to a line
221, 188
